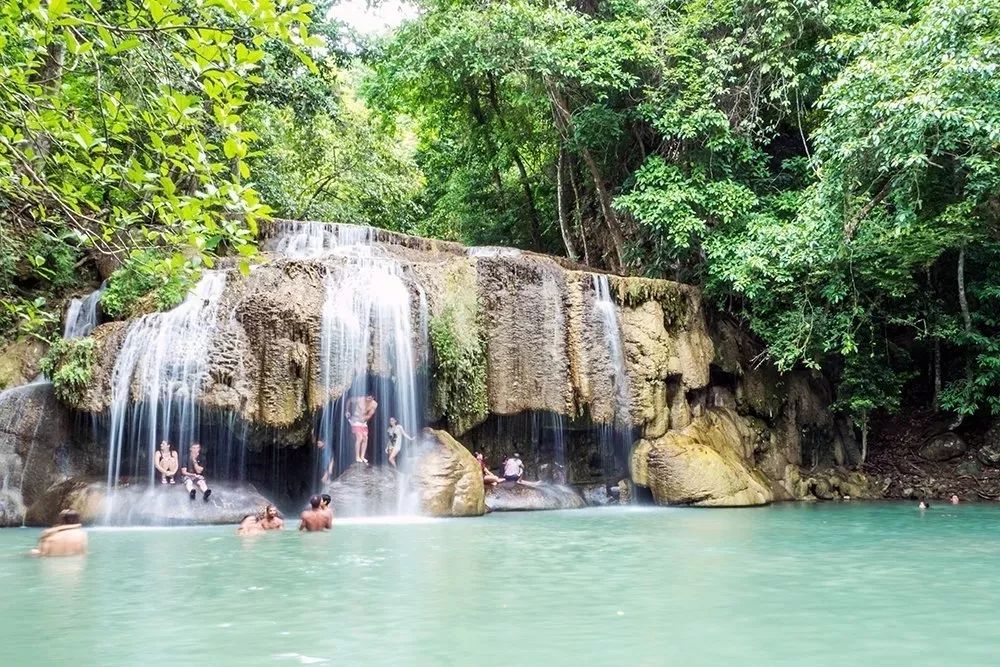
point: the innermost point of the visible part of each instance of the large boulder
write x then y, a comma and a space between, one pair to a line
943, 447
447, 477
20, 361
146, 505
989, 454
518, 496
708, 464
34, 447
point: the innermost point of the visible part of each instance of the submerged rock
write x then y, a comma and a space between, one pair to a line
517, 496
943, 447
705, 464
146, 505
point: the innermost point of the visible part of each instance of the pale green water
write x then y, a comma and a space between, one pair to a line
787, 585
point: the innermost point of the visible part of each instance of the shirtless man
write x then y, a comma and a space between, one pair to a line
315, 518
359, 416
192, 474
166, 462
65, 539
271, 520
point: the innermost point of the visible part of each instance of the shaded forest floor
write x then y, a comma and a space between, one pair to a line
893, 458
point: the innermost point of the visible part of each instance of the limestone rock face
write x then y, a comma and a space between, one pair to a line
706, 464
943, 447
156, 505
517, 496
448, 478
34, 448
545, 349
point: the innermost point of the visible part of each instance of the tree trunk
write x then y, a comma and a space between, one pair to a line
864, 438
564, 121
536, 226
963, 304
578, 216
567, 236
937, 372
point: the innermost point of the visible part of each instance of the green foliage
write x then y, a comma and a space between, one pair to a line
69, 365
459, 367
121, 127
147, 281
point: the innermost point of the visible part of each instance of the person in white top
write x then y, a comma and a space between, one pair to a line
396, 435
513, 468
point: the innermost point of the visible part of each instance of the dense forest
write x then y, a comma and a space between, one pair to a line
826, 170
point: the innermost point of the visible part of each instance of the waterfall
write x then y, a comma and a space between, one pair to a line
163, 360
614, 437
367, 337
81, 316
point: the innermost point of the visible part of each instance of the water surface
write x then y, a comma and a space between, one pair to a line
799, 584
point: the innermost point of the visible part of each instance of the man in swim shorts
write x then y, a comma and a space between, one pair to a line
362, 412
166, 462
192, 474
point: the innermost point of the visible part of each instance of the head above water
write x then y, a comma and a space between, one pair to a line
326, 500
271, 511
68, 517
315, 501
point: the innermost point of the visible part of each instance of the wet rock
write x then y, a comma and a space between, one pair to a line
518, 496
145, 505
598, 495
943, 447
448, 478
19, 361
705, 464
369, 491
989, 454
970, 468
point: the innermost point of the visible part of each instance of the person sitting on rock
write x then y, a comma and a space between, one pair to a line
192, 474
315, 518
396, 435
166, 462
488, 476
513, 468
67, 538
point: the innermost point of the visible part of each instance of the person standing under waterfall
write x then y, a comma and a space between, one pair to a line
166, 462
359, 416
396, 435
326, 462
192, 474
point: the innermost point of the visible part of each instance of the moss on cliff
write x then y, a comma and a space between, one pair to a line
70, 366
459, 358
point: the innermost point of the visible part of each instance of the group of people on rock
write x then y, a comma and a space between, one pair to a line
360, 410
512, 469
166, 462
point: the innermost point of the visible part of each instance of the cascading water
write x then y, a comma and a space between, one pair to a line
614, 437
81, 316
163, 358
367, 338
